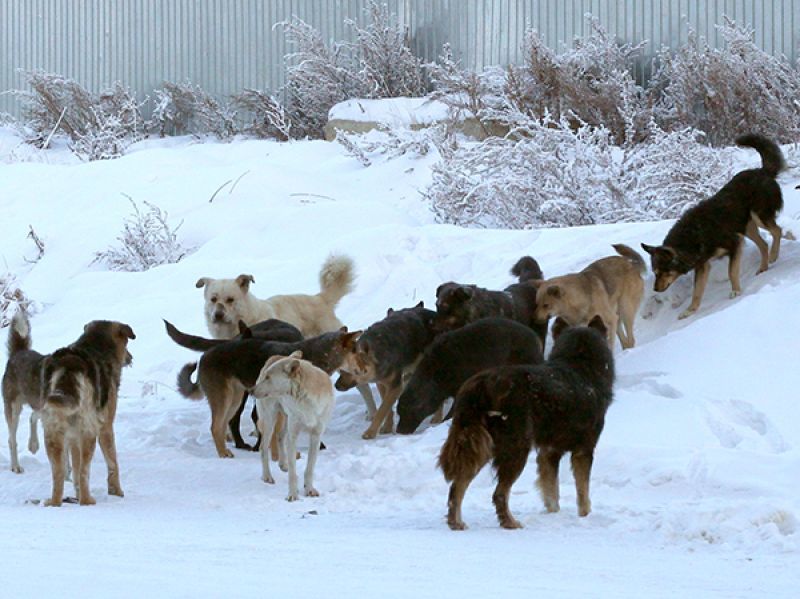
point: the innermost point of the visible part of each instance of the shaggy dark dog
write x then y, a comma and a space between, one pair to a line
458, 304
716, 226
385, 352
557, 407
268, 330
455, 356
228, 370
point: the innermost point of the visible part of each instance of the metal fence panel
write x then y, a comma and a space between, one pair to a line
227, 45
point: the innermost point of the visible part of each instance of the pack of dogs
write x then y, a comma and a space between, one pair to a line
483, 349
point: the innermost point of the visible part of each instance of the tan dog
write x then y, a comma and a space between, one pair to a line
305, 394
80, 384
611, 287
227, 301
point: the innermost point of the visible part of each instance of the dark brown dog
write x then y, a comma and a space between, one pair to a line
228, 370
557, 407
458, 304
716, 226
388, 350
80, 384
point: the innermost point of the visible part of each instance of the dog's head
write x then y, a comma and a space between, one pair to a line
278, 374
224, 301
666, 264
551, 298
330, 351
359, 363
560, 326
104, 333
453, 306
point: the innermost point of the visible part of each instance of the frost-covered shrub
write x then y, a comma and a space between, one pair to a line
268, 117
393, 143
147, 240
12, 298
99, 126
565, 172
187, 108
726, 91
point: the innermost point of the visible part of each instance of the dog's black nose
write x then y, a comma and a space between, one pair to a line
219, 316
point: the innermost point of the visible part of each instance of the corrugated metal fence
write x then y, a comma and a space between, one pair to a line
227, 45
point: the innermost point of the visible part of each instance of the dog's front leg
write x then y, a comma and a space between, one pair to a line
108, 446
266, 422
292, 431
313, 452
389, 395
369, 400
700, 280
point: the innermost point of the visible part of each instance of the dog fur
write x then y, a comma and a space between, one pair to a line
227, 301
455, 356
717, 226
229, 370
79, 384
304, 393
557, 407
458, 305
384, 353
611, 287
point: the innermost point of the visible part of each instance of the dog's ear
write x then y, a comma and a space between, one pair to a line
501, 386
363, 347
554, 291
649, 248
127, 331
348, 340
272, 359
342, 329
244, 281
245, 331
464, 293
421, 304
294, 368
390, 311
559, 326
202, 282
439, 290
598, 325
296, 354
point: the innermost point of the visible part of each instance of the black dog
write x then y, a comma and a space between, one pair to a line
458, 305
268, 330
557, 407
384, 353
455, 356
715, 227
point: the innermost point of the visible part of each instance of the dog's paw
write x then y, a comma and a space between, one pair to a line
687, 313
52, 502
283, 466
456, 525
226, 454
735, 294
88, 500
369, 434
268, 479
510, 523
17, 469
115, 490
761, 269
292, 497
33, 445
311, 492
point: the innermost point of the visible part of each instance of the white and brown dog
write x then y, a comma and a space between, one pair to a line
305, 394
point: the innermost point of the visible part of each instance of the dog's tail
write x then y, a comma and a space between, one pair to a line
19, 334
631, 255
336, 278
191, 341
772, 161
527, 269
469, 445
186, 387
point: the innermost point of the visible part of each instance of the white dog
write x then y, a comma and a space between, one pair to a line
305, 394
227, 301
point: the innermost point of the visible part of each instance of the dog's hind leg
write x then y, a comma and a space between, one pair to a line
267, 416
13, 410
734, 268
509, 467
751, 231
293, 430
313, 452
54, 445
88, 443
776, 232
218, 425
33, 440
455, 498
700, 280
547, 461
234, 424
389, 394
369, 399
582, 470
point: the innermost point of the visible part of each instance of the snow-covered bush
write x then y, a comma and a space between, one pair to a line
99, 126
566, 172
268, 117
12, 298
727, 91
393, 143
187, 108
147, 240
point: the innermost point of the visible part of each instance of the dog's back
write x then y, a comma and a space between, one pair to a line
455, 356
21, 380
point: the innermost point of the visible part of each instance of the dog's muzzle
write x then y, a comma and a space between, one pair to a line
219, 316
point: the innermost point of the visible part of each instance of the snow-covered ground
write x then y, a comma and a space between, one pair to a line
695, 484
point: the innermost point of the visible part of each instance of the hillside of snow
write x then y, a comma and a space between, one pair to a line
694, 487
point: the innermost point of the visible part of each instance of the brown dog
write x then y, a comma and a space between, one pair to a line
611, 287
80, 384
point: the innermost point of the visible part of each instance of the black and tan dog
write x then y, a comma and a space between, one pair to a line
267, 330
386, 352
458, 305
455, 356
717, 226
78, 385
231, 368
557, 407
